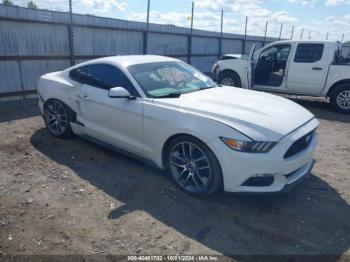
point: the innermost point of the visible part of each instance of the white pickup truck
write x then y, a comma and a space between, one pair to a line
311, 68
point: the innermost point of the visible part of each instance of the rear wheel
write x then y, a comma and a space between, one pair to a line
340, 98
193, 166
230, 78
57, 118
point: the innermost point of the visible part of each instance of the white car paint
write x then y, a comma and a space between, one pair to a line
299, 78
143, 125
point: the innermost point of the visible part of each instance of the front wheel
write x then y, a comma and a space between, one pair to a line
193, 166
229, 79
340, 98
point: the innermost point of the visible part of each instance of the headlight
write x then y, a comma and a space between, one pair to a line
248, 146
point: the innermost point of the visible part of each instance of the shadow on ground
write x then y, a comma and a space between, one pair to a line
313, 219
19, 109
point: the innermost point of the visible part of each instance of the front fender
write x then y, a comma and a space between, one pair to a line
239, 66
160, 123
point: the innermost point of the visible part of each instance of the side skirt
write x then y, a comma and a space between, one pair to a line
119, 150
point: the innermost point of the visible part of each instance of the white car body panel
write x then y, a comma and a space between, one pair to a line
240, 66
143, 125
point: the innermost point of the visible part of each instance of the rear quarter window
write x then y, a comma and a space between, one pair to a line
308, 53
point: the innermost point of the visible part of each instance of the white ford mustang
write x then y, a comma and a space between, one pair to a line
165, 111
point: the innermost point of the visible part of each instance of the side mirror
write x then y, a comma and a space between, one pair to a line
119, 92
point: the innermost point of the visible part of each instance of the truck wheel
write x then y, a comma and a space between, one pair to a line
340, 98
230, 79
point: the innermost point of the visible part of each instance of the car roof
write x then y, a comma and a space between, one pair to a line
127, 60
306, 42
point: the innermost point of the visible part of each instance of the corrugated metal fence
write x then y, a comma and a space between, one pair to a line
34, 42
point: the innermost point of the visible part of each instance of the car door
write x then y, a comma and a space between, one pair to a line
117, 121
251, 67
271, 68
308, 70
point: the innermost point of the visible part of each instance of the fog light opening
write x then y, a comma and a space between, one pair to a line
259, 181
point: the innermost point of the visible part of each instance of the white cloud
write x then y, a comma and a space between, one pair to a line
207, 17
336, 2
306, 2
104, 5
94, 5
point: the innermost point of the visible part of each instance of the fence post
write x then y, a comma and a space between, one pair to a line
189, 47
145, 35
302, 33
221, 28
71, 35
267, 23
245, 35
279, 38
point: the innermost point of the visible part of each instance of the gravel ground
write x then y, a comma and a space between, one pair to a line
73, 197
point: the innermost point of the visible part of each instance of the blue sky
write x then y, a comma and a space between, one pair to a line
317, 17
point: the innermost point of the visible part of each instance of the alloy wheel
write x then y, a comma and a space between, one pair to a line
343, 99
228, 81
56, 117
190, 166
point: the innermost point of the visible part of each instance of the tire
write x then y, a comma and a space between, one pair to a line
197, 172
340, 98
230, 78
57, 117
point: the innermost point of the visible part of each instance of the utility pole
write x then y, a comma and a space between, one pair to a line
245, 35
309, 35
145, 44
327, 36
221, 32
291, 35
342, 39
279, 38
302, 33
71, 34
267, 23
189, 55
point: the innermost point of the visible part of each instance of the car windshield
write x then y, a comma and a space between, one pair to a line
161, 79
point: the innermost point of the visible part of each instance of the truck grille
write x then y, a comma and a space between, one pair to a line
299, 145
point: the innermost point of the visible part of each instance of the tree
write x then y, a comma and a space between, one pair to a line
31, 4
7, 2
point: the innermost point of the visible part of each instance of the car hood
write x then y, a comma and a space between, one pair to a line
258, 115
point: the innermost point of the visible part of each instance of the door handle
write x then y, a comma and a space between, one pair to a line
317, 68
86, 97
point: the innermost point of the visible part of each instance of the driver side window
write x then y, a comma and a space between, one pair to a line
102, 76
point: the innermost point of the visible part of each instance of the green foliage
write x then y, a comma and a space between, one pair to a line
32, 4
7, 2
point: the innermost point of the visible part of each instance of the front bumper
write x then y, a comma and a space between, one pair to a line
291, 185
238, 167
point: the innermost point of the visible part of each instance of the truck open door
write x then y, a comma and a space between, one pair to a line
251, 70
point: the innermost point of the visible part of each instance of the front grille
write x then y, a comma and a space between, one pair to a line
299, 145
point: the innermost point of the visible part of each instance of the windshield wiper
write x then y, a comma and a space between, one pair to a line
169, 95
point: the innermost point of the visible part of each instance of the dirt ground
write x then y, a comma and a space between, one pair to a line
73, 197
